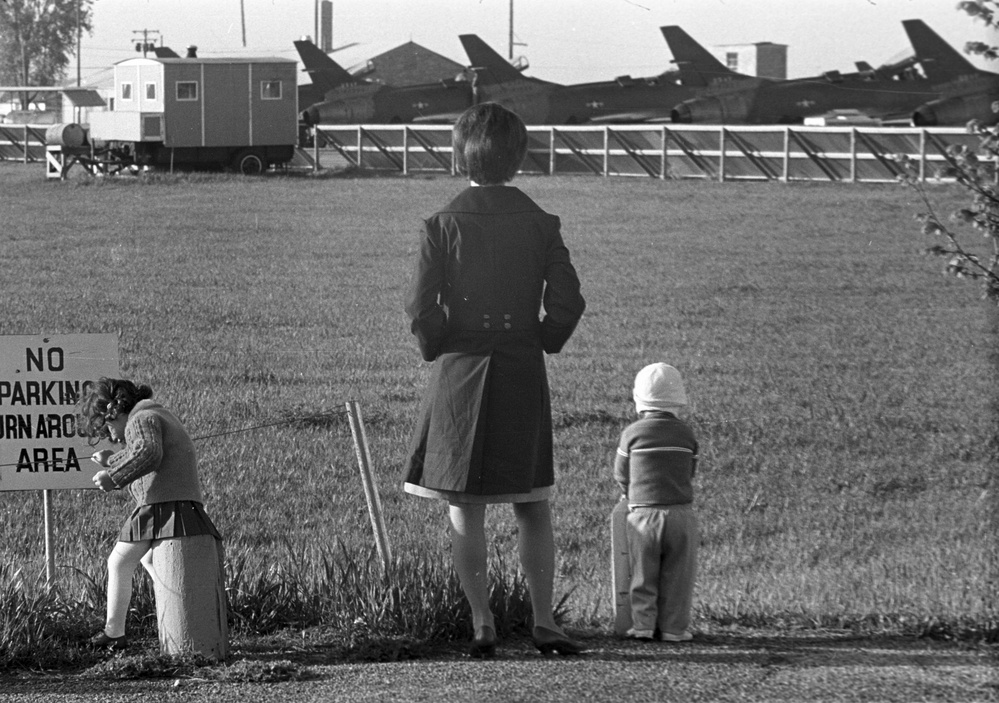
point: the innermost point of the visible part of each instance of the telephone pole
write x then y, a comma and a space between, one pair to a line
145, 46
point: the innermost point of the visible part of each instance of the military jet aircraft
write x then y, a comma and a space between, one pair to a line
359, 101
624, 99
967, 93
888, 93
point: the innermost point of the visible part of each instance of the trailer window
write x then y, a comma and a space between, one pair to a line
126, 91
187, 90
270, 90
150, 91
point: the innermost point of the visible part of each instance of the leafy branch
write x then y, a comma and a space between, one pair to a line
979, 176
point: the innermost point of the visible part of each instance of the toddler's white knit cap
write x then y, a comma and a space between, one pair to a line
659, 387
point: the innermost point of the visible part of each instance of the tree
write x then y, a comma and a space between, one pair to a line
978, 173
38, 37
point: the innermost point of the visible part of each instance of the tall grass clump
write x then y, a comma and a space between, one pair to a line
417, 597
38, 625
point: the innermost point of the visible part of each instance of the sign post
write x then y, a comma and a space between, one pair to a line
41, 378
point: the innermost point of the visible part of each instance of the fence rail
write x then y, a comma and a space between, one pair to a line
24, 143
707, 152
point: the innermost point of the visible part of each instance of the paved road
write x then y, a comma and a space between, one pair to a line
828, 667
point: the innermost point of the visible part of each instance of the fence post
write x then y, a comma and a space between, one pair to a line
721, 155
368, 479
662, 156
606, 151
188, 576
315, 149
551, 151
360, 145
787, 154
922, 156
853, 155
405, 151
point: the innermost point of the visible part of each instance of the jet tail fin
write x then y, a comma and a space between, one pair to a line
488, 65
698, 67
326, 74
940, 61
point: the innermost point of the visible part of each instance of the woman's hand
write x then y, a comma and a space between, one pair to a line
102, 479
102, 456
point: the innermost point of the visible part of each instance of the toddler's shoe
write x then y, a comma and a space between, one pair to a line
684, 636
639, 634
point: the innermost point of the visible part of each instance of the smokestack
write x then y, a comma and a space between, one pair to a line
326, 26
192, 52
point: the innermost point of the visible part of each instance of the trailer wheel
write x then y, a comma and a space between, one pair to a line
249, 163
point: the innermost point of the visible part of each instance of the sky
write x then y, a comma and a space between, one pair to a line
565, 41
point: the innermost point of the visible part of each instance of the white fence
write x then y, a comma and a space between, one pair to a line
711, 152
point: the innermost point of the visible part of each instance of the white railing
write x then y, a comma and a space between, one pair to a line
711, 152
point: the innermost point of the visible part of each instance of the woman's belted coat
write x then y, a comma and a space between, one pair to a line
487, 264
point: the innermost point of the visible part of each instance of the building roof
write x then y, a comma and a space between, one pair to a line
407, 64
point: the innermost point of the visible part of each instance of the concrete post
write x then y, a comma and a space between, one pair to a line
189, 583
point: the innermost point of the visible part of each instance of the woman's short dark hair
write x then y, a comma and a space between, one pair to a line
104, 400
490, 143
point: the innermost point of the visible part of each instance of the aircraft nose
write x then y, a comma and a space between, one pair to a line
310, 117
681, 114
925, 116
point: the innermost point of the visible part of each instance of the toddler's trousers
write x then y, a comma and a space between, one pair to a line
662, 543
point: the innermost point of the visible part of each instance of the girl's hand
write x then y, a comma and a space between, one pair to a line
102, 479
102, 456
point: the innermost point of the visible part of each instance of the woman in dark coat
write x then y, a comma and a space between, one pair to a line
488, 262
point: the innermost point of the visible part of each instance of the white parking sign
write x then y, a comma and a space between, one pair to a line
41, 378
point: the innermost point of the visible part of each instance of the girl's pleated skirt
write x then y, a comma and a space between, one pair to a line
180, 518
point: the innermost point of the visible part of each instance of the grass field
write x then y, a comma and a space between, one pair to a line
840, 385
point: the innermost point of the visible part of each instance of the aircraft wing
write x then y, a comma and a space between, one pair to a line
442, 118
632, 117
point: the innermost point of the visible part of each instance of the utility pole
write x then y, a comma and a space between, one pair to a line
510, 51
145, 46
78, 35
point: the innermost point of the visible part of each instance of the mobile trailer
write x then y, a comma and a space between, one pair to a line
238, 113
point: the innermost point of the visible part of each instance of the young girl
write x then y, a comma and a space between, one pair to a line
159, 466
487, 263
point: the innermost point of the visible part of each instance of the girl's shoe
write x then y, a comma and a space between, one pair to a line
483, 644
549, 642
102, 641
640, 634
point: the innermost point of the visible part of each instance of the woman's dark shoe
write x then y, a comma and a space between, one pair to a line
102, 641
549, 642
484, 643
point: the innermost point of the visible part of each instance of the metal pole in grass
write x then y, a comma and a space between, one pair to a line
368, 479
49, 554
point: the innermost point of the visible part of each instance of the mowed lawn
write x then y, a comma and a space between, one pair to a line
840, 384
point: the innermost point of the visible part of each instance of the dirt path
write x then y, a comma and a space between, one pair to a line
744, 667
